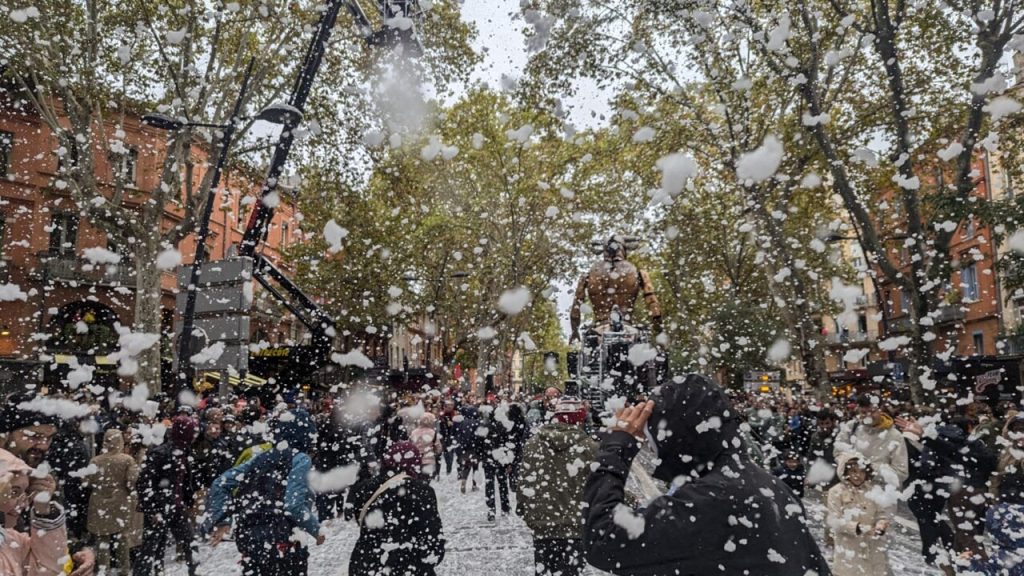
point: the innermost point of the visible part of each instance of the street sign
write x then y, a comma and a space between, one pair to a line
218, 299
234, 355
228, 271
223, 299
228, 328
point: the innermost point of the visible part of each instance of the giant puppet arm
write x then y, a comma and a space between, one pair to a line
653, 306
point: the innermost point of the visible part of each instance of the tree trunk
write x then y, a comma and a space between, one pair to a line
919, 353
147, 309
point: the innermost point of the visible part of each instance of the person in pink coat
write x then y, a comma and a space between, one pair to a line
425, 437
44, 548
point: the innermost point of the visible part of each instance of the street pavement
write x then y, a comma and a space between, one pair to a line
504, 547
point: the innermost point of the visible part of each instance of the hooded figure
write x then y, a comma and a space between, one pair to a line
166, 489
550, 493
466, 424
399, 524
722, 515
271, 499
854, 518
113, 501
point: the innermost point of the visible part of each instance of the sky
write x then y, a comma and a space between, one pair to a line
500, 40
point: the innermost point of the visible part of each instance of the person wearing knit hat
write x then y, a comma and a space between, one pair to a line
26, 432
550, 491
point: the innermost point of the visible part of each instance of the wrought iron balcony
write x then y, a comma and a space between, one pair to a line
843, 338
866, 301
56, 267
950, 313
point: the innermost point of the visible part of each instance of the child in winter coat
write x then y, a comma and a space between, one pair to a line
44, 550
428, 443
791, 471
857, 522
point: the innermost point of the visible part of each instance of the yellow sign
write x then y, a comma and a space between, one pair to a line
274, 353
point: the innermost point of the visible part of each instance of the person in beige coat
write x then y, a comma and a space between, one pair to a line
858, 523
112, 502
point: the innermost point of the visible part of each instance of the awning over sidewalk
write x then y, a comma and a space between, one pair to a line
211, 380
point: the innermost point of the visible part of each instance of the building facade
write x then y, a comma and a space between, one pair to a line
59, 306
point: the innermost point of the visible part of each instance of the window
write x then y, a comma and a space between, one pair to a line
3, 233
969, 282
6, 150
67, 159
969, 228
904, 302
979, 343
63, 233
125, 165
241, 211
284, 235
1007, 183
862, 324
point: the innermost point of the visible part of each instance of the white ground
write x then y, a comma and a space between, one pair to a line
504, 547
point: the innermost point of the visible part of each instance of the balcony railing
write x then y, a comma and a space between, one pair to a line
900, 325
850, 338
866, 301
70, 268
951, 313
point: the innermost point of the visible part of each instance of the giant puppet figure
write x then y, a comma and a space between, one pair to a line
614, 282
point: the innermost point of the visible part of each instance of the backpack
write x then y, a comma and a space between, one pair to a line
258, 502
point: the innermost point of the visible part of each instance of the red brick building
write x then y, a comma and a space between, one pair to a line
968, 315
53, 290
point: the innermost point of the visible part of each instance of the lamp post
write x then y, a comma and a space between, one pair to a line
225, 134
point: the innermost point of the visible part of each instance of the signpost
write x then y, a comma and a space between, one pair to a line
220, 330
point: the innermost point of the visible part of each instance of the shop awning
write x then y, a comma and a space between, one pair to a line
211, 380
92, 360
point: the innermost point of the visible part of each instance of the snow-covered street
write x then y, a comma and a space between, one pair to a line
503, 547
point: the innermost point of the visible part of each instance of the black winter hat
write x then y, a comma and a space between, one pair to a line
14, 417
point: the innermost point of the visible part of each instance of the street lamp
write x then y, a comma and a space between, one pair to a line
225, 133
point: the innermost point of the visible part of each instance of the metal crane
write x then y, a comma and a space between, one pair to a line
399, 17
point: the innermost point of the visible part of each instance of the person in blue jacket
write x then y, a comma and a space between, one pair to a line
1004, 525
271, 502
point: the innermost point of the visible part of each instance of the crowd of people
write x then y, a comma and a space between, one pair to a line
87, 488
958, 469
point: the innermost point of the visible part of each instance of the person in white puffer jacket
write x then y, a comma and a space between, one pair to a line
857, 520
872, 434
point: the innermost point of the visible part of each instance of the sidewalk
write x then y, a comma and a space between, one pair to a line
505, 547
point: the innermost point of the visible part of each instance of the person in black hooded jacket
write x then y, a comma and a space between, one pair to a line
722, 515
400, 532
166, 488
